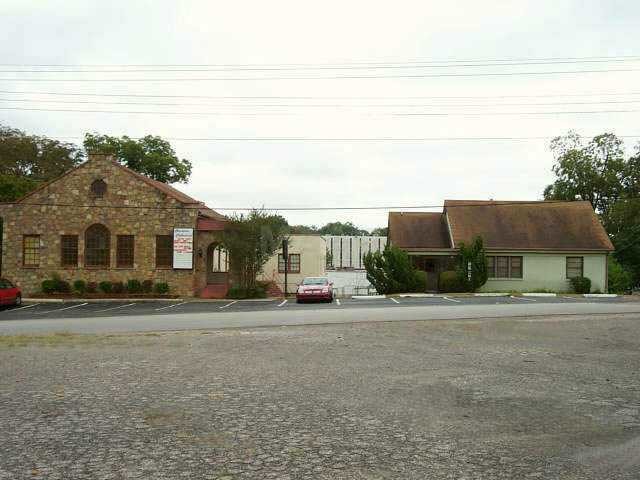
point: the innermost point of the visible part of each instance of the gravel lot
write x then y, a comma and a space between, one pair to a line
547, 398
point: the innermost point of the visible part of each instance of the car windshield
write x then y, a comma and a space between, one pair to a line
314, 281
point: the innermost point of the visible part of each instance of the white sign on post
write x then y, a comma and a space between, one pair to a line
183, 248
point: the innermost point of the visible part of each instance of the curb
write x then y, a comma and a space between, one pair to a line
490, 294
99, 300
533, 294
600, 295
369, 297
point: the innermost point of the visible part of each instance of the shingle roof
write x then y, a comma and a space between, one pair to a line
418, 230
527, 225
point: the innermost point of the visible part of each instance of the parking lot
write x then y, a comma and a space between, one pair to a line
35, 309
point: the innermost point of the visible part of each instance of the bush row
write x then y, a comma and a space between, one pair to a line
57, 285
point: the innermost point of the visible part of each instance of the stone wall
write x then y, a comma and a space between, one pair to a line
66, 206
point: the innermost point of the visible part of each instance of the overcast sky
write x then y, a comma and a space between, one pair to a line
321, 34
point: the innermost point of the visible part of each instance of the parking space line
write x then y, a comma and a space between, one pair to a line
522, 298
26, 306
170, 306
283, 303
394, 300
228, 304
452, 300
65, 308
114, 308
338, 301
570, 298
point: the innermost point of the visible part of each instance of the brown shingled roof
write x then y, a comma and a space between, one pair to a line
527, 225
418, 230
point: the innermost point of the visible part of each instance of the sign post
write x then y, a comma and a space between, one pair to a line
285, 255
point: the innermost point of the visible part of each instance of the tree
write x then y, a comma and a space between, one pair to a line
391, 271
380, 232
27, 161
620, 279
598, 172
303, 229
339, 228
250, 242
150, 155
472, 265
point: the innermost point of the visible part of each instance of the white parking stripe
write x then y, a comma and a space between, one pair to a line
452, 299
522, 298
114, 308
338, 301
26, 306
394, 300
228, 304
170, 306
65, 308
283, 303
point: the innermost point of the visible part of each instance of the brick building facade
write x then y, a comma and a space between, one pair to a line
104, 222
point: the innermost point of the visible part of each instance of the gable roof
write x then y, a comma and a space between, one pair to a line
418, 230
164, 188
544, 225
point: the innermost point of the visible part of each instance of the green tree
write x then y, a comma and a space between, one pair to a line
620, 279
340, 228
251, 240
599, 173
380, 231
391, 271
303, 229
472, 265
150, 155
27, 161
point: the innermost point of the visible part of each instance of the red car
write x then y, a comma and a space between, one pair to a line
315, 288
9, 293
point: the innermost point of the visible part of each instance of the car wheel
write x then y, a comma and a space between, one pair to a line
18, 301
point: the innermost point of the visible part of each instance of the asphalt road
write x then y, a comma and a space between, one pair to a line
111, 317
503, 399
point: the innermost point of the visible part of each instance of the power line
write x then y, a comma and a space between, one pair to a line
328, 77
252, 114
410, 65
491, 203
345, 139
358, 62
320, 105
228, 97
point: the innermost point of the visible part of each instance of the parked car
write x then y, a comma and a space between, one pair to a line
9, 293
315, 288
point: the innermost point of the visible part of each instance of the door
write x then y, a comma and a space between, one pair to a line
217, 264
430, 267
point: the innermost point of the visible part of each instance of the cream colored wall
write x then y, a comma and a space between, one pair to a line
548, 271
313, 258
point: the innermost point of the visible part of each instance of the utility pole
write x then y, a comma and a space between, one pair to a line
285, 255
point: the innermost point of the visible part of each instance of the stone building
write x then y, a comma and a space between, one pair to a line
104, 222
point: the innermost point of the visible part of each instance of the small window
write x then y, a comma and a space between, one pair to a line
491, 267
294, 263
69, 250
575, 267
515, 267
164, 251
125, 246
31, 250
98, 188
97, 246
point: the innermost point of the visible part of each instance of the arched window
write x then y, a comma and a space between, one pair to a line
98, 188
96, 246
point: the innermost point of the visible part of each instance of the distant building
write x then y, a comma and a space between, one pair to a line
307, 258
347, 252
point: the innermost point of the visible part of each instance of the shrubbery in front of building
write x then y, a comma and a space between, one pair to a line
581, 285
105, 287
449, 282
161, 288
147, 286
134, 286
118, 287
391, 271
56, 285
80, 286
237, 292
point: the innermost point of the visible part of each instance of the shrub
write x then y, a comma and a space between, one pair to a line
62, 286
134, 286
620, 279
117, 287
92, 287
391, 271
80, 286
105, 287
48, 286
147, 286
449, 282
161, 288
581, 284
237, 292
472, 254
